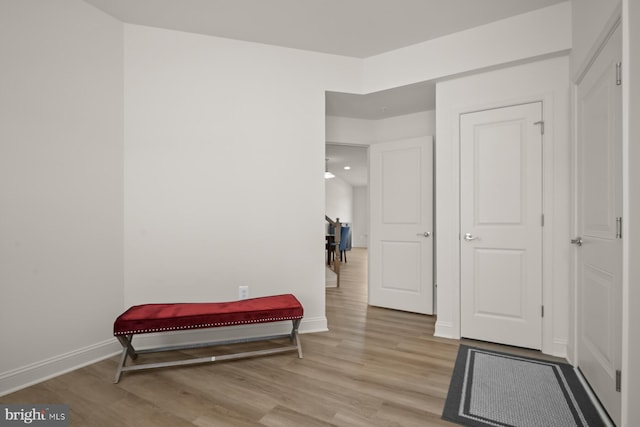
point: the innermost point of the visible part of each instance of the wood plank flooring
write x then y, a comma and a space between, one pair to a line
375, 367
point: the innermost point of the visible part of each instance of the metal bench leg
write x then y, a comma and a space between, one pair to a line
127, 350
294, 336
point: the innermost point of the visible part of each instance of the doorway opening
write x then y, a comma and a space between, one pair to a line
346, 202
354, 124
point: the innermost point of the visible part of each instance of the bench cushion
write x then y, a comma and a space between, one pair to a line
147, 318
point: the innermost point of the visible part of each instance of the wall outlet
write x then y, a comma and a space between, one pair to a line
243, 292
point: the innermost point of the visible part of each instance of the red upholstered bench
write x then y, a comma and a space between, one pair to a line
154, 318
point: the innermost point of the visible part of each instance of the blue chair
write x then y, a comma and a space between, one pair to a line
345, 241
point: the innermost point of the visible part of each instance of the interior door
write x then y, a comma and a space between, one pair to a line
599, 247
501, 225
401, 212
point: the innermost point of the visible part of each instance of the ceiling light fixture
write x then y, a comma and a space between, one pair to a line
347, 168
327, 174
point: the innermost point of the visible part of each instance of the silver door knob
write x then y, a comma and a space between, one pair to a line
469, 237
577, 241
425, 234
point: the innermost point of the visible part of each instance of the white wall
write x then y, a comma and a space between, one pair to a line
542, 32
360, 231
339, 200
546, 81
346, 130
199, 113
224, 164
350, 204
405, 127
61, 251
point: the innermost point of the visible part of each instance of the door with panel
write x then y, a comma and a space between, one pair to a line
401, 215
501, 225
599, 221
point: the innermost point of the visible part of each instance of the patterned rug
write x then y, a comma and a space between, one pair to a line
490, 388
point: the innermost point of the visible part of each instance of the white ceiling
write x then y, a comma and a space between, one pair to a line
357, 28
387, 103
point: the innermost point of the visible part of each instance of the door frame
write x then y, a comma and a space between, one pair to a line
451, 329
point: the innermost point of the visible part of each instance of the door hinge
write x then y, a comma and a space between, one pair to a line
619, 227
542, 220
541, 123
618, 380
618, 73
542, 310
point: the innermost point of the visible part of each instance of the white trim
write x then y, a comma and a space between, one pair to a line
572, 353
445, 330
49, 368
631, 209
313, 325
559, 348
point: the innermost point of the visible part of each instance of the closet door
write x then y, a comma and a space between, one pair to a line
501, 225
598, 245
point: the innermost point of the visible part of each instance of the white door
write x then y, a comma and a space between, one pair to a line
401, 211
599, 254
501, 225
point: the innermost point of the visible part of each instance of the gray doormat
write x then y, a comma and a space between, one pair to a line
491, 388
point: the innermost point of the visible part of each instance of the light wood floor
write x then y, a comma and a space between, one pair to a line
375, 367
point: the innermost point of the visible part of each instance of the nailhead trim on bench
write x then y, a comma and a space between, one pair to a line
206, 325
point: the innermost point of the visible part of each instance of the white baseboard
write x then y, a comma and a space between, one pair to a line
314, 324
559, 348
445, 330
34, 373
26, 376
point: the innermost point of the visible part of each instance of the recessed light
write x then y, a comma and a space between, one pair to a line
347, 168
